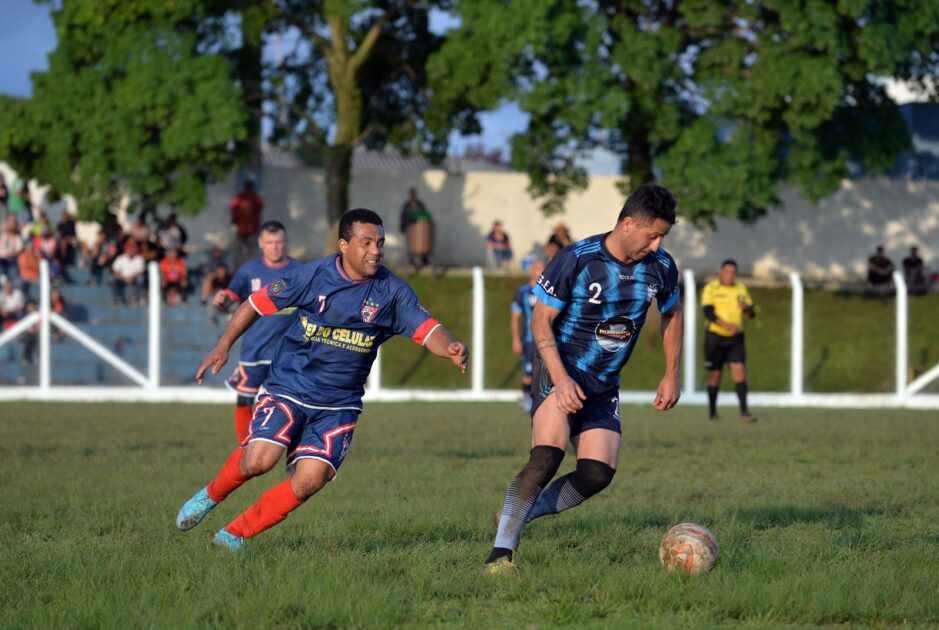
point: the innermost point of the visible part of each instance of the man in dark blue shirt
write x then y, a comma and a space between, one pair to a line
346, 305
592, 303
522, 342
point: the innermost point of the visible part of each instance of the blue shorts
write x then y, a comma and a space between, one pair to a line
323, 434
600, 410
248, 377
528, 357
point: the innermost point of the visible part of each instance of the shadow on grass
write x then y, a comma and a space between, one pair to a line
836, 516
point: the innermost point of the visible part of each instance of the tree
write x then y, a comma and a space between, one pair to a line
129, 105
720, 101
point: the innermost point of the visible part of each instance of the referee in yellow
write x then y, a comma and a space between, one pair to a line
725, 301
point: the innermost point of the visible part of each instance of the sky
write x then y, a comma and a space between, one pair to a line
27, 35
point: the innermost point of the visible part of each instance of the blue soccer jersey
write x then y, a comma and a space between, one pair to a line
603, 304
259, 342
327, 350
524, 302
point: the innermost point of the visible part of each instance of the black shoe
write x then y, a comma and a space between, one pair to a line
714, 417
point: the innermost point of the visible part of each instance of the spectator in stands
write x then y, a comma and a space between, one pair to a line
12, 303
559, 239
4, 198
69, 245
41, 224
58, 305
31, 336
174, 278
139, 230
880, 273
246, 209
498, 246
11, 244
914, 272
171, 235
112, 229
418, 227
215, 281
102, 254
129, 268
28, 267
47, 247
19, 204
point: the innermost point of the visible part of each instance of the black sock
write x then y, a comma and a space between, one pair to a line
499, 552
742, 397
712, 399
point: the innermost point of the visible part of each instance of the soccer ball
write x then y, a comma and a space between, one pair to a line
688, 548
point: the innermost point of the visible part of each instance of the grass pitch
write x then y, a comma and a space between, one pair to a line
824, 518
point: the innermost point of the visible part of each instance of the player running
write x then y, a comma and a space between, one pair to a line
259, 342
522, 342
592, 303
347, 305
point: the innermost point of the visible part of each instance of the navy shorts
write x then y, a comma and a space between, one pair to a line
600, 410
528, 357
306, 433
248, 377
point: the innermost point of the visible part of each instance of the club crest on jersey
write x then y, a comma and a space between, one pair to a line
615, 333
278, 287
369, 310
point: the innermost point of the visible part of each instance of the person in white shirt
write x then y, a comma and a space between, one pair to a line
12, 303
129, 268
11, 244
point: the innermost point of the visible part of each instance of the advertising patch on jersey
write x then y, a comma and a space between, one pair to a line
369, 310
278, 286
615, 333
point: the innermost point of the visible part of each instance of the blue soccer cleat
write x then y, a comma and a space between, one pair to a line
229, 541
194, 510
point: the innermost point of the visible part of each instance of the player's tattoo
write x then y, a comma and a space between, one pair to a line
546, 343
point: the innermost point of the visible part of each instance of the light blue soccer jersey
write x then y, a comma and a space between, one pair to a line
603, 304
524, 302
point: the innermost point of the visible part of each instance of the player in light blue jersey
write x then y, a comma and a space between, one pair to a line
260, 341
592, 303
346, 305
522, 342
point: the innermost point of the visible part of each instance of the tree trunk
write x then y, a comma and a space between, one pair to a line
250, 74
639, 165
338, 176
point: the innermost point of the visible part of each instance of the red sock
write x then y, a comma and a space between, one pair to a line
229, 478
243, 416
273, 507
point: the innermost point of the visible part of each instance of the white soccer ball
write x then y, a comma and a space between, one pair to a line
688, 548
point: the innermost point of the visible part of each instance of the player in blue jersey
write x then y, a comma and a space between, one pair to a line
522, 342
592, 303
260, 341
346, 305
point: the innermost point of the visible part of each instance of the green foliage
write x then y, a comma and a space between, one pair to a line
720, 101
129, 106
825, 518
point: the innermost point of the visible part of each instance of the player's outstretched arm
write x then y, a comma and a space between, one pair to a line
567, 393
218, 356
442, 343
668, 393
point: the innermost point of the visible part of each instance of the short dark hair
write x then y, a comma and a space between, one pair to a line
649, 201
729, 261
273, 227
357, 215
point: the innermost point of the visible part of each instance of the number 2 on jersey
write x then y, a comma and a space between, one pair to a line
596, 296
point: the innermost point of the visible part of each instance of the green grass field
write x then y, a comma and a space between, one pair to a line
825, 518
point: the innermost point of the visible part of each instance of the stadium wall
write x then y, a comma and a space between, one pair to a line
830, 240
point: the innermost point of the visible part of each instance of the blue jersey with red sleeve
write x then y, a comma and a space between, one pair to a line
603, 304
325, 354
259, 342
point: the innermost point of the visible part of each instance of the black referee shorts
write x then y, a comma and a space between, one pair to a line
719, 350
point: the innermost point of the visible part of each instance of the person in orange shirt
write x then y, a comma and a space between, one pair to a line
28, 263
246, 209
174, 278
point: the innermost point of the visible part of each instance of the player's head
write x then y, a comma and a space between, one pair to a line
535, 270
728, 273
646, 217
273, 242
361, 243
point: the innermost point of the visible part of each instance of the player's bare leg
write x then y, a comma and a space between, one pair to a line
739, 373
550, 435
597, 453
243, 464
714, 386
309, 477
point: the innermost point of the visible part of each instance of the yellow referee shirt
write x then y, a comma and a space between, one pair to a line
724, 299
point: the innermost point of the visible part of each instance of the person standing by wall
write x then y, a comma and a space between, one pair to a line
417, 225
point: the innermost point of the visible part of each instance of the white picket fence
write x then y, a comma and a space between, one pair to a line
148, 388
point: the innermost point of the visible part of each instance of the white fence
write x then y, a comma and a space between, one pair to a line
149, 389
